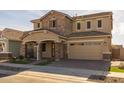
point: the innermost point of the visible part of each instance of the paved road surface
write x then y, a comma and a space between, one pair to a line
41, 77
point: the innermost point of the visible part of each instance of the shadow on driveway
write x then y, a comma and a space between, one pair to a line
83, 64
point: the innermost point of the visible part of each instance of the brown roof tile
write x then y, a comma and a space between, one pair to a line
87, 33
92, 15
12, 34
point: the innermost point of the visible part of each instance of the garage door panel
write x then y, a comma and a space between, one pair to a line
90, 52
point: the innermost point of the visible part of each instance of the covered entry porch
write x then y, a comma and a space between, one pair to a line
44, 44
45, 49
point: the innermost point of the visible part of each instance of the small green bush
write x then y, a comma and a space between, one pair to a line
21, 57
20, 61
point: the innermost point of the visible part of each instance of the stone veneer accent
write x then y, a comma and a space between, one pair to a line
57, 51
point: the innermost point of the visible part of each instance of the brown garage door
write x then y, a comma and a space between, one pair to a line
89, 52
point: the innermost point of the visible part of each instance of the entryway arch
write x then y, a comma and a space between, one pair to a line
31, 49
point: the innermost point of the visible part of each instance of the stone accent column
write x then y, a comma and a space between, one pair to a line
57, 51
23, 50
65, 55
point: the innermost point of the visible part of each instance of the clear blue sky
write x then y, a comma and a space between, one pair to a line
20, 19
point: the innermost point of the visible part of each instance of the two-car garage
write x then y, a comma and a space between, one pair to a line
85, 50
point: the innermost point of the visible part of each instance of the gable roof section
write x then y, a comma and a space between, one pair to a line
12, 34
87, 33
52, 11
75, 17
26, 33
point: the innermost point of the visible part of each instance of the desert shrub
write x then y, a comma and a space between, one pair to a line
21, 57
121, 66
20, 60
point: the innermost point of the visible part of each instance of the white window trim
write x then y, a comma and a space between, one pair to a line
80, 26
52, 20
87, 29
97, 24
37, 25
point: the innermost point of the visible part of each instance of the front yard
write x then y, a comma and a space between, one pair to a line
116, 69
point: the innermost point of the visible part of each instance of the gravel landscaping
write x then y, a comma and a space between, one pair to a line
104, 79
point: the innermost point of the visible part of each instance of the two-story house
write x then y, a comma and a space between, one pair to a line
59, 36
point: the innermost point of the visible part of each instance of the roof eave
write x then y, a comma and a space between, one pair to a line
89, 36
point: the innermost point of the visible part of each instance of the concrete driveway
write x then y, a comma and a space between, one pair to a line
64, 71
43, 74
83, 64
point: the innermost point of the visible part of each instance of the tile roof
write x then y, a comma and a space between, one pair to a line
56, 32
92, 15
12, 34
66, 15
87, 33
74, 34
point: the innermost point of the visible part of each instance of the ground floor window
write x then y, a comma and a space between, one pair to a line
44, 47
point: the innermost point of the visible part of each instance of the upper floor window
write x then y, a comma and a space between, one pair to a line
88, 24
78, 26
99, 23
38, 25
53, 23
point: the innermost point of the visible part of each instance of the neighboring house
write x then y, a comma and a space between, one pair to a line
10, 41
117, 52
60, 36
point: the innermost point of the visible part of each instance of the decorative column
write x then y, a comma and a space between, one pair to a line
68, 44
57, 51
38, 52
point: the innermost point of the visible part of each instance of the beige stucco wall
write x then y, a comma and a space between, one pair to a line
106, 23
